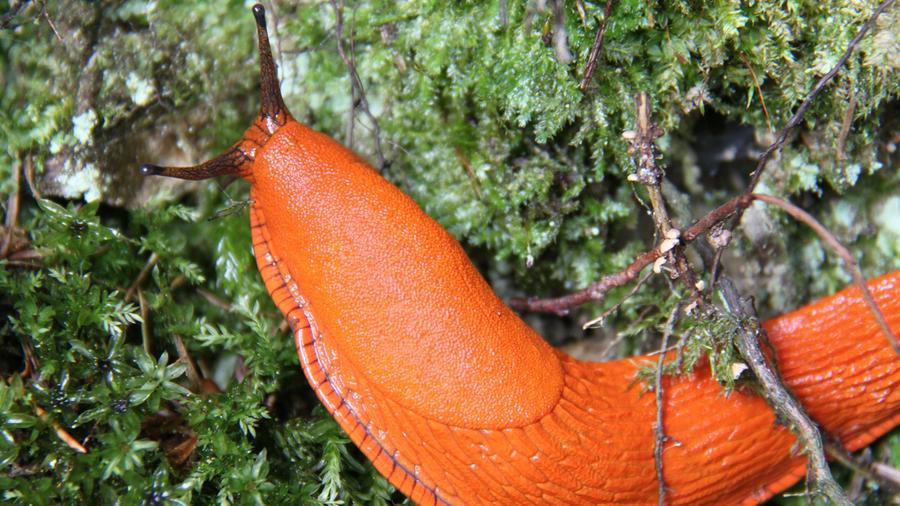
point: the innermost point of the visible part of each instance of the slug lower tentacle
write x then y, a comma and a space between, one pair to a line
457, 401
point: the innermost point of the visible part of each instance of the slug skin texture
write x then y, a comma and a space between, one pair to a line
457, 401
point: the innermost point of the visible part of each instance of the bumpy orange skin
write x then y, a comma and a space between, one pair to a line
457, 401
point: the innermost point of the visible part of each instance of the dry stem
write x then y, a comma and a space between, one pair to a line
141, 277
594, 56
659, 430
787, 407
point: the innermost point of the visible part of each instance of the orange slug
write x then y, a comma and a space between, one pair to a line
457, 401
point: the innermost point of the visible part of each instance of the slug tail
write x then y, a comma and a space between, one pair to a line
839, 364
273, 114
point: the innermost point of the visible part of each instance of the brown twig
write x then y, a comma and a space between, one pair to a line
648, 172
31, 362
777, 395
467, 165
354, 95
50, 22
503, 12
141, 277
191, 371
60, 431
29, 176
355, 80
651, 176
845, 128
177, 282
596, 291
12, 212
659, 430
596, 48
849, 262
145, 321
857, 479
820, 85
214, 299
759, 92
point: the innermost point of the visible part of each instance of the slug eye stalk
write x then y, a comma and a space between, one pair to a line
273, 114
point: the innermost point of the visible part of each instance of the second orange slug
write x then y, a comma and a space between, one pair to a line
457, 401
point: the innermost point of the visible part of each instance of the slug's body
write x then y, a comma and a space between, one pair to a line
457, 401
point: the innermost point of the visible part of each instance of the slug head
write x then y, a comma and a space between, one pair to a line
273, 114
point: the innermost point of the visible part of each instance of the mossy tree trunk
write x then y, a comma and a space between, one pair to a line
480, 117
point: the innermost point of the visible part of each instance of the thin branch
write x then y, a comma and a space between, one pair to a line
504, 12
60, 431
215, 300
31, 362
191, 371
12, 212
849, 262
598, 289
141, 277
467, 165
845, 128
596, 48
29, 177
648, 172
50, 22
598, 320
715, 217
651, 176
659, 430
145, 321
759, 92
349, 61
778, 397
801, 111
